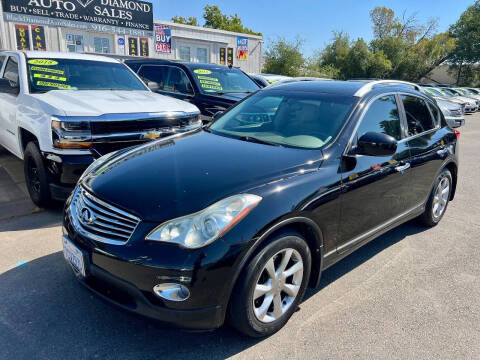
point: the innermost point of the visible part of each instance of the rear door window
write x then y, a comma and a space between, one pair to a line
154, 73
382, 117
418, 116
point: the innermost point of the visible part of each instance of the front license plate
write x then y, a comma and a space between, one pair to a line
74, 256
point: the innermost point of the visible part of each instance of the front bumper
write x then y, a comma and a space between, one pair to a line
125, 275
455, 122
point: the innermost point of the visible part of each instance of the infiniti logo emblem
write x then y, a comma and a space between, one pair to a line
86, 216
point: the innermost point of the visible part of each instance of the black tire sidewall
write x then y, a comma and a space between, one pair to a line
242, 307
32, 153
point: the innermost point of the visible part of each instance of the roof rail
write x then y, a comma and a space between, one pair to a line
369, 86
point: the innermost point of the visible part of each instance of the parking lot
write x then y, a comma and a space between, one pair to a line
412, 293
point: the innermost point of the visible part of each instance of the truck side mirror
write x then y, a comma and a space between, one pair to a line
152, 85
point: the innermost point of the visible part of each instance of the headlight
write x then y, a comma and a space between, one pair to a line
202, 228
71, 133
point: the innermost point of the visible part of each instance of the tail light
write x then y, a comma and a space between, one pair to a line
457, 133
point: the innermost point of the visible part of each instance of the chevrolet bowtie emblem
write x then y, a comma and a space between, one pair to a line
152, 135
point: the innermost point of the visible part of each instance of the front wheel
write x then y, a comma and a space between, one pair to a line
438, 201
36, 176
271, 286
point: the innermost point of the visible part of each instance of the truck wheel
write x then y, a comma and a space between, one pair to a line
36, 176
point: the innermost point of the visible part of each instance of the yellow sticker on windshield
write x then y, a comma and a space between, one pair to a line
50, 77
44, 62
44, 69
55, 85
202, 71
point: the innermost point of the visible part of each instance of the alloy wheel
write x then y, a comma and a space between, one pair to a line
278, 285
33, 176
440, 198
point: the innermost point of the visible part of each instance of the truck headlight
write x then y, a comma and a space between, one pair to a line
200, 229
71, 133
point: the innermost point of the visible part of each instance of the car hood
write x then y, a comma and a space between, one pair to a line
99, 102
181, 175
448, 104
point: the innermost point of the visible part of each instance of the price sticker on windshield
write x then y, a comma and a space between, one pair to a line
43, 62
202, 71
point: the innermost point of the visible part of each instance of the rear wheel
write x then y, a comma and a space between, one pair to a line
271, 286
36, 176
438, 201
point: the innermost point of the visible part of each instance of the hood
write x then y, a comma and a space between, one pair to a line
99, 102
448, 104
230, 97
177, 176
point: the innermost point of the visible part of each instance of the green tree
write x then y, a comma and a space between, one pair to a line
466, 53
191, 20
215, 19
284, 57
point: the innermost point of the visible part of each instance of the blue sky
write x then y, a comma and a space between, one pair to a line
313, 20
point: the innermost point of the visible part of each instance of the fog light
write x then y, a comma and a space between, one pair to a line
171, 291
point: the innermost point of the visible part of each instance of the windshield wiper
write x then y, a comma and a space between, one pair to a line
256, 140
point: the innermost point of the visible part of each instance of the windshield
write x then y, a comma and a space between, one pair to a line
447, 92
432, 92
301, 119
74, 74
476, 92
222, 79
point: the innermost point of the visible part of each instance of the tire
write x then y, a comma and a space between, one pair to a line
245, 313
36, 176
438, 201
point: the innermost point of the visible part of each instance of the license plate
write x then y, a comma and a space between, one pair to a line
74, 256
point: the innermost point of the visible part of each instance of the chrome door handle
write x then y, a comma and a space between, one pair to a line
442, 151
402, 168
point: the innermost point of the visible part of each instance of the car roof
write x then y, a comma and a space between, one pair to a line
62, 55
345, 88
176, 62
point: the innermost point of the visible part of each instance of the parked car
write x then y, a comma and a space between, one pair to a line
296, 79
468, 93
452, 112
59, 111
470, 104
271, 78
259, 80
235, 220
210, 87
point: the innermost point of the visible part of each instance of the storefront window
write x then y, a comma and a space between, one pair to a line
202, 55
101, 45
184, 53
75, 43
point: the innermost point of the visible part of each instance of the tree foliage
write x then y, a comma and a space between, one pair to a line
191, 20
215, 19
284, 57
466, 54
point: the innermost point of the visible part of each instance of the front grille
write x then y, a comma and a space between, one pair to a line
100, 221
140, 125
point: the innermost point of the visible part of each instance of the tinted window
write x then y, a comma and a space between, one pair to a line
154, 73
301, 119
436, 113
222, 79
168, 78
2, 59
11, 70
382, 116
418, 116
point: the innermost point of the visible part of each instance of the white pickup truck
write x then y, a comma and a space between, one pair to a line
59, 111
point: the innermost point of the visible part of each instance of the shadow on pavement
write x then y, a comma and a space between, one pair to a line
43, 219
46, 313
366, 252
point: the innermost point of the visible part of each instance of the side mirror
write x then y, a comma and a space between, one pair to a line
9, 87
217, 115
376, 144
152, 85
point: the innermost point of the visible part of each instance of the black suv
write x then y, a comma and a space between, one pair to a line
235, 220
212, 88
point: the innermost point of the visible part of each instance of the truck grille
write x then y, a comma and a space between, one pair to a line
100, 221
141, 125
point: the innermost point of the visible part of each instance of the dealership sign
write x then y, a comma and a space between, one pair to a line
163, 39
130, 17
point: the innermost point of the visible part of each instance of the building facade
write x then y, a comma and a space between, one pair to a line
122, 28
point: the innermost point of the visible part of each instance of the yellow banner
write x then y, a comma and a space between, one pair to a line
44, 69
56, 85
50, 77
44, 62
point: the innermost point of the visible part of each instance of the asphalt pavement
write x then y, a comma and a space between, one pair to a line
413, 293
